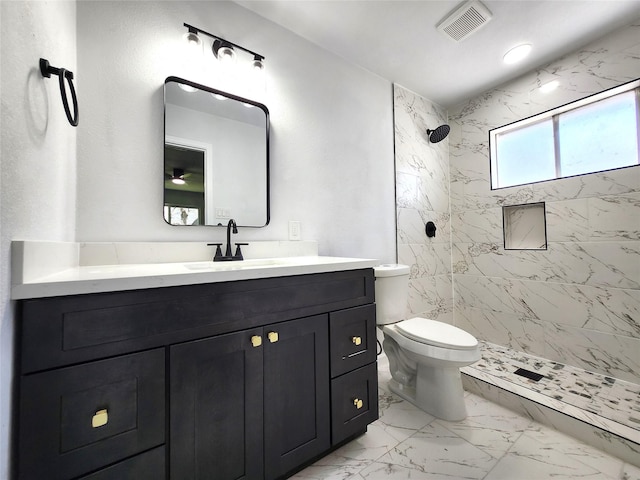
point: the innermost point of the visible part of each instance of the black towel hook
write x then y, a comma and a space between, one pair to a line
46, 69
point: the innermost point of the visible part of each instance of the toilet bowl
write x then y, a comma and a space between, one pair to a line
424, 355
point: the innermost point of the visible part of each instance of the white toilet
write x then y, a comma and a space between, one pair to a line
425, 356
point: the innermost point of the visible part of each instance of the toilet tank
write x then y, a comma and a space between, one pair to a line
392, 289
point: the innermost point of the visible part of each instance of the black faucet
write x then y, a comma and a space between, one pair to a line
218, 257
230, 225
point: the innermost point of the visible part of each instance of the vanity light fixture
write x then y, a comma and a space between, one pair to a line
193, 40
224, 50
258, 63
517, 54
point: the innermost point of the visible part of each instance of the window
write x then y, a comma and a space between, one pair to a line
597, 133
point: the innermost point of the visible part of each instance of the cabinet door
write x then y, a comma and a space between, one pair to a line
216, 408
296, 393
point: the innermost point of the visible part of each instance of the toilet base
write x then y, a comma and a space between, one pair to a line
438, 392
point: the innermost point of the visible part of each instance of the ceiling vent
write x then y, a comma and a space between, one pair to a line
467, 19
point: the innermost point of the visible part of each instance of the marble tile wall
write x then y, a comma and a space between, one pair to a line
422, 195
578, 302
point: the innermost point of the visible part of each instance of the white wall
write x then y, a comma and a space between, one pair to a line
37, 154
331, 143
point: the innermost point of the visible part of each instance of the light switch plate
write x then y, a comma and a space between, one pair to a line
294, 230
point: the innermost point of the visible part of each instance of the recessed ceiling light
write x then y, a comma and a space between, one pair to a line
549, 86
517, 54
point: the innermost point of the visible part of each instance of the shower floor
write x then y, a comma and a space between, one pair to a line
605, 402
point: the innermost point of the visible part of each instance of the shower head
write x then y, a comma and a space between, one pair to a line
438, 134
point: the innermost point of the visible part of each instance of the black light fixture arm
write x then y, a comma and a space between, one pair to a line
197, 30
46, 69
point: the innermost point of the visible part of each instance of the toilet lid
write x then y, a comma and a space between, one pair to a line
432, 332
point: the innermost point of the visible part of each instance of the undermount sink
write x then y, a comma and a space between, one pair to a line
233, 265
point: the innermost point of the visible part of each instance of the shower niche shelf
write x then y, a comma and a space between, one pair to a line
525, 227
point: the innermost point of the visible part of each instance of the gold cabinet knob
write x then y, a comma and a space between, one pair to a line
100, 418
356, 340
273, 337
256, 340
358, 403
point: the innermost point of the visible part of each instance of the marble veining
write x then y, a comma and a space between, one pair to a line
610, 398
422, 195
492, 443
593, 328
606, 264
577, 302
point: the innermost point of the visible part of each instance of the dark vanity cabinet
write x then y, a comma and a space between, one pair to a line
251, 379
260, 394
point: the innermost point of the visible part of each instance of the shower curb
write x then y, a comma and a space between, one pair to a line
611, 437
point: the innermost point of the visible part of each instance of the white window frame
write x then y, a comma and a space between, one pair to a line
553, 114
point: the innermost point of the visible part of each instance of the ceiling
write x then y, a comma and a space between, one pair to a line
398, 39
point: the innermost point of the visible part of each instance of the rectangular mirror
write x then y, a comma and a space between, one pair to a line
216, 157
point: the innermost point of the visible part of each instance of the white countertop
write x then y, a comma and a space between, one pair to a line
79, 279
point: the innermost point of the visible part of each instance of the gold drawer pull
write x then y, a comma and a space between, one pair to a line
357, 403
256, 340
273, 337
356, 340
100, 418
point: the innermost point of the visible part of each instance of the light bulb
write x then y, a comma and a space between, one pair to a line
187, 88
223, 52
178, 176
194, 44
258, 64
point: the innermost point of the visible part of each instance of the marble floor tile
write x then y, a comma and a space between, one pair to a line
379, 439
532, 459
401, 415
629, 472
442, 454
576, 451
490, 427
492, 443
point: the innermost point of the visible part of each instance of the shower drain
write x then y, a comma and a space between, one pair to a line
536, 377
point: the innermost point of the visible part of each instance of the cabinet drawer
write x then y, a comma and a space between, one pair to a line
146, 466
354, 402
353, 339
77, 419
69, 330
